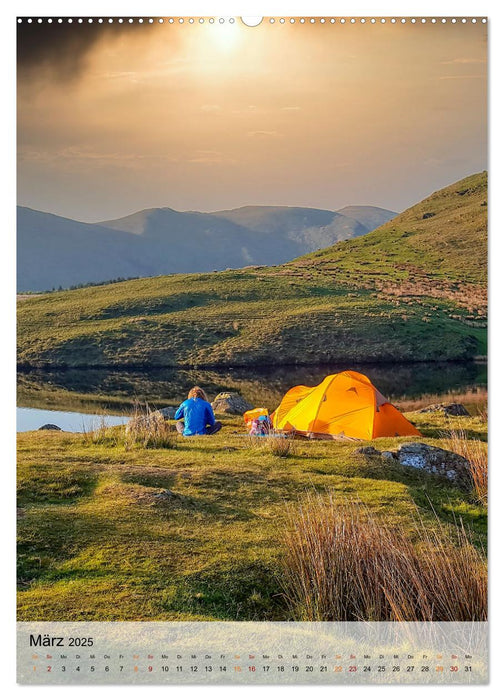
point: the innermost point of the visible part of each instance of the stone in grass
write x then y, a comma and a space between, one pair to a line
168, 412
229, 402
449, 409
168, 495
435, 460
388, 454
49, 426
163, 497
368, 450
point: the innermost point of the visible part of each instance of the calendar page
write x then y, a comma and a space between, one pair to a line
252, 340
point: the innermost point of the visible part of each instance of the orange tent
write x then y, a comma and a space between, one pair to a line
342, 405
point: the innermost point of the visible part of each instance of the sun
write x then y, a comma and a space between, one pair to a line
225, 36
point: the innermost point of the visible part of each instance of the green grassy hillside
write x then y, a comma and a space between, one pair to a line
414, 289
444, 236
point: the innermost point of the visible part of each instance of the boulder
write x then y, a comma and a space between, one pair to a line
369, 451
449, 409
168, 495
388, 454
228, 402
435, 460
49, 426
168, 412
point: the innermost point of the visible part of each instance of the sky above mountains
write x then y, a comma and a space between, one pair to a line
113, 119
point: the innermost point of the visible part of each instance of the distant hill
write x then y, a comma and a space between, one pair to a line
369, 217
414, 289
54, 251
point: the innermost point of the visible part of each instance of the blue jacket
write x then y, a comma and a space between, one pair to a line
197, 414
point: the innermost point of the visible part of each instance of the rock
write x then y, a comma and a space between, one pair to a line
166, 494
435, 460
168, 497
388, 454
228, 402
369, 451
49, 426
456, 409
163, 497
168, 412
449, 409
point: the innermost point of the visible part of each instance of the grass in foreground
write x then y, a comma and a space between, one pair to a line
197, 531
476, 453
344, 563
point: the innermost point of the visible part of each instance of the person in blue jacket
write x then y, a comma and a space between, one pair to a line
195, 415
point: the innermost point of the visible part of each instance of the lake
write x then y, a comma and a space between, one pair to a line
72, 421
75, 398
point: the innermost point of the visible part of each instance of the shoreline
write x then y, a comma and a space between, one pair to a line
29, 367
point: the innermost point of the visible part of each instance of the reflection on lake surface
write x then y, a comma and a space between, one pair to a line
72, 421
116, 391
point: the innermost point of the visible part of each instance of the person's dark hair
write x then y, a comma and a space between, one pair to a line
197, 393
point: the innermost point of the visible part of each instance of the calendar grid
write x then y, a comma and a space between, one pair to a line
252, 653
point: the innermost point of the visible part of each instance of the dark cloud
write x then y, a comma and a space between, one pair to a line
62, 49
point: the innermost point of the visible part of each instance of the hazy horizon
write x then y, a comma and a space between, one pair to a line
113, 119
201, 211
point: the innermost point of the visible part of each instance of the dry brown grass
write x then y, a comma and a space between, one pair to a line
146, 428
482, 412
100, 434
149, 429
476, 453
477, 399
343, 563
277, 445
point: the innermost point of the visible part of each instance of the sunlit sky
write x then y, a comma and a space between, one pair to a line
210, 117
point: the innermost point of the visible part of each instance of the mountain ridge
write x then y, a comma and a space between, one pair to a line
57, 251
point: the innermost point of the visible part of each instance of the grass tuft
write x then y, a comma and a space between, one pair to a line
276, 445
149, 429
476, 453
101, 434
146, 429
344, 563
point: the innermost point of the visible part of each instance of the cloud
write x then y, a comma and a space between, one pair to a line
291, 109
210, 108
463, 61
210, 158
263, 134
78, 155
460, 77
115, 75
61, 50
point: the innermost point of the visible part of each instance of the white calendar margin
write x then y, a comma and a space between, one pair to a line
7, 280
